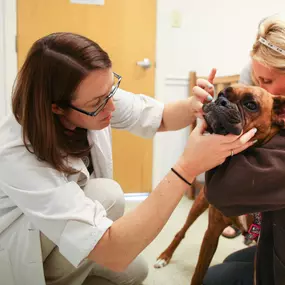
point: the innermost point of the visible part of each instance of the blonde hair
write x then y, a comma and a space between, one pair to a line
271, 29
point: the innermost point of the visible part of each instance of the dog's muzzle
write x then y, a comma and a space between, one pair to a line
223, 117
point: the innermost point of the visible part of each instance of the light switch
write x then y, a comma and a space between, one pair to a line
176, 19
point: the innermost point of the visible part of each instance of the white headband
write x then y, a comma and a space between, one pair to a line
272, 46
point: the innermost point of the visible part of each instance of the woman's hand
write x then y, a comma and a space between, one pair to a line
203, 92
204, 152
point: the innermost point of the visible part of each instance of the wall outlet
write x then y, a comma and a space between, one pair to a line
176, 19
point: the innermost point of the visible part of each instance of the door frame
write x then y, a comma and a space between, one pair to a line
8, 49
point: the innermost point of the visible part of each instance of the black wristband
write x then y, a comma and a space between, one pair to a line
181, 177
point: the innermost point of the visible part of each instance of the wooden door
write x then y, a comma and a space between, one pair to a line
126, 30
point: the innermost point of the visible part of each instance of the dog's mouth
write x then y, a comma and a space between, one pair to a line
223, 117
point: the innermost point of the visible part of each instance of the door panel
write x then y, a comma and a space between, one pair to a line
126, 30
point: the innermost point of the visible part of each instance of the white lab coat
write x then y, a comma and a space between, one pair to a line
34, 197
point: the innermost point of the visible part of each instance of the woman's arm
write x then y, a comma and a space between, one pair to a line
133, 232
144, 116
129, 235
180, 114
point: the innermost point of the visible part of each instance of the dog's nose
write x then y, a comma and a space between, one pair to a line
222, 101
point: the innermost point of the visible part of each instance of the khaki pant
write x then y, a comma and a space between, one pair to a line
58, 271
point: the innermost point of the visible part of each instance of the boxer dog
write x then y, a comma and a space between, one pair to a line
237, 109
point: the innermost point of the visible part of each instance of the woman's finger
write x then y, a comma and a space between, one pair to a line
212, 75
243, 139
200, 115
242, 148
201, 94
201, 127
206, 85
248, 135
234, 141
203, 83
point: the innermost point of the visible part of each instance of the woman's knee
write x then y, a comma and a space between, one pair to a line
109, 193
244, 255
135, 274
230, 273
142, 273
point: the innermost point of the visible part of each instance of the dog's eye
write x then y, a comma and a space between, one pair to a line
251, 106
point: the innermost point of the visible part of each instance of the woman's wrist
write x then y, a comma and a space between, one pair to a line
184, 170
192, 110
180, 176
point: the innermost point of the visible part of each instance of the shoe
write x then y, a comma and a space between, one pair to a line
236, 234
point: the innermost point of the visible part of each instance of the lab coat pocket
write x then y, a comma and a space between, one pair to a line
6, 273
33, 246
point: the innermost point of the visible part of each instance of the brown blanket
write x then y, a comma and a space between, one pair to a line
254, 181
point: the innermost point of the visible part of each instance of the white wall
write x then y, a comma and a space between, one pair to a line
217, 34
8, 59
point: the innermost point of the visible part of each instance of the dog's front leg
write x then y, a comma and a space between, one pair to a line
199, 206
216, 224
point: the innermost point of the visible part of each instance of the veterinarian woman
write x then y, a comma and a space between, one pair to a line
61, 214
267, 69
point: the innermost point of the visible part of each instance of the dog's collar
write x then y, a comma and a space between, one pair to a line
271, 46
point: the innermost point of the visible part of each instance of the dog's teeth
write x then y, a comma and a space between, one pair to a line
160, 263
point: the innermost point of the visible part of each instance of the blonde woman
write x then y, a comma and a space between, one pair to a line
267, 69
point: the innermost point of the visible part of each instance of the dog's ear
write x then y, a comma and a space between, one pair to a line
278, 111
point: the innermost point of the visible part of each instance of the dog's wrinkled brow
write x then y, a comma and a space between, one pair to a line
248, 97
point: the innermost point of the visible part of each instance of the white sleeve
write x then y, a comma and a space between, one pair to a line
137, 113
57, 207
245, 75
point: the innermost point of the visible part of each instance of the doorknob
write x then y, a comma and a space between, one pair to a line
145, 63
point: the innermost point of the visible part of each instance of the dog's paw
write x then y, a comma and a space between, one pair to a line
160, 263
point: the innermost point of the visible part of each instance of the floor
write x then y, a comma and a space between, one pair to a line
182, 265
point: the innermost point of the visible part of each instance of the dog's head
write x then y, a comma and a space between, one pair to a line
240, 108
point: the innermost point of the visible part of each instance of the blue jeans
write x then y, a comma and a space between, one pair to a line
236, 269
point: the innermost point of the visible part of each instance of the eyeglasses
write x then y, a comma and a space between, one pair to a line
102, 103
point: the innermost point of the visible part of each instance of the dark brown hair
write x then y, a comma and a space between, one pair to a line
55, 66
